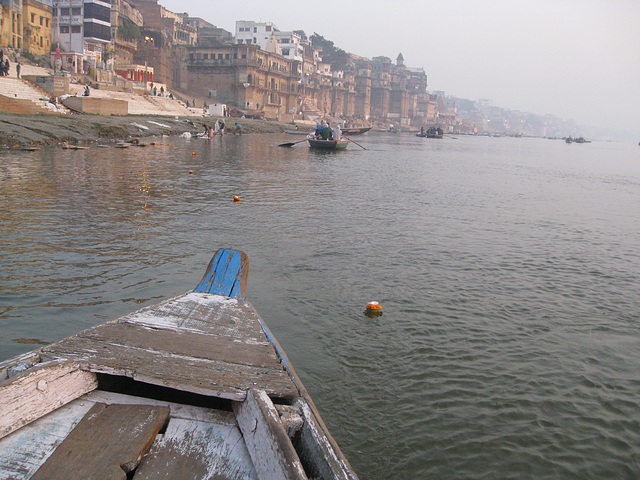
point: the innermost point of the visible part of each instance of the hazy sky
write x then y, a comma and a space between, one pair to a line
577, 59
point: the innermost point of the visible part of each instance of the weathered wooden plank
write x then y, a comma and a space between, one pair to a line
323, 460
204, 313
322, 455
178, 410
270, 448
25, 450
12, 366
226, 274
40, 390
191, 450
108, 443
189, 344
207, 377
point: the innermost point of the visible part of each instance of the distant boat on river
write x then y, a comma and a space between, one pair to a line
327, 144
576, 140
356, 130
433, 132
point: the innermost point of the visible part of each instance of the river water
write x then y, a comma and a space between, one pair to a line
508, 271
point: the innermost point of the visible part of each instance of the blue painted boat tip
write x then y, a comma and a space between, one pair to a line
226, 274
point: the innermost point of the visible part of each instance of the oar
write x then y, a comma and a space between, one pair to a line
354, 142
291, 144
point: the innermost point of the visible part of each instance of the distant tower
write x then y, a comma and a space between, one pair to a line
400, 60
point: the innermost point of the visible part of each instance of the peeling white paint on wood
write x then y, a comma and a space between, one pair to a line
41, 390
25, 450
270, 448
191, 450
178, 410
108, 443
318, 448
200, 313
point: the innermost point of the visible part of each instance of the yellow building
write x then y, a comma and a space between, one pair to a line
37, 24
11, 26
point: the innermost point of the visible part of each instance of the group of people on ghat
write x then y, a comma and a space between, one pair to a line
218, 129
5, 66
325, 132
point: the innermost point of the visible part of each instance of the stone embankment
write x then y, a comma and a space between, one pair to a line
42, 129
148, 116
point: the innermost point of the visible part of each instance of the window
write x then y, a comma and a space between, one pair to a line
64, 28
33, 18
93, 10
219, 56
76, 11
285, 52
255, 29
41, 20
226, 57
240, 42
205, 56
95, 30
268, 28
64, 11
76, 29
46, 22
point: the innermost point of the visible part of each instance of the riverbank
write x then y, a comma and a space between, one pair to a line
42, 129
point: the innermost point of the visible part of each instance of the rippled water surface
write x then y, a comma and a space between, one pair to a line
508, 270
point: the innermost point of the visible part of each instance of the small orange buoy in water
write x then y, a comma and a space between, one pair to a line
193, 153
236, 198
373, 309
191, 172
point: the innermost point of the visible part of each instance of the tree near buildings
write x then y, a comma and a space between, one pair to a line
336, 57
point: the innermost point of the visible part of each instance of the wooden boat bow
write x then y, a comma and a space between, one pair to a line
178, 385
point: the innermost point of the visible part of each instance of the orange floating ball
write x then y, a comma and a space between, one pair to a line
191, 171
374, 306
236, 198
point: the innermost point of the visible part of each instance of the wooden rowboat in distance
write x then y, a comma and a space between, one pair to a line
195, 387
327, 144
355, 130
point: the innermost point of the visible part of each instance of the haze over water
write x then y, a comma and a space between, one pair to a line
507, 270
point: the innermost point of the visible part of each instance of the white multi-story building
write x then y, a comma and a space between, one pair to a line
290, 44
254, 33
82, 27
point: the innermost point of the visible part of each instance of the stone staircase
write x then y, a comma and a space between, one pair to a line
139, 104
310, 111
20, 96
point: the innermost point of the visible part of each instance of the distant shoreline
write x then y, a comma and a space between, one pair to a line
20, 130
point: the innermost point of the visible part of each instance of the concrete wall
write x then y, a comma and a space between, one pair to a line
19, 105
56, 86
97, 106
